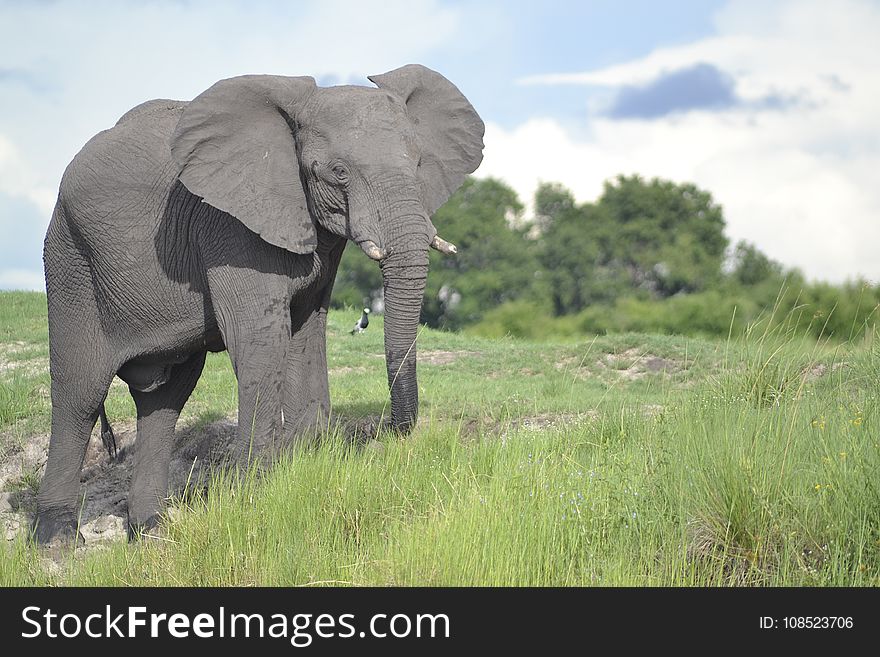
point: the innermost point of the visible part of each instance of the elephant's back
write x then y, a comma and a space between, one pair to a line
122, 175
153, 107
113, 199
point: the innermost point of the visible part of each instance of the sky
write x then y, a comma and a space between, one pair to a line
771, 105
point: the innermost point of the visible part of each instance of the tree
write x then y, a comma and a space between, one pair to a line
652, 238
669, 237
749, 266
575, 249
494, 263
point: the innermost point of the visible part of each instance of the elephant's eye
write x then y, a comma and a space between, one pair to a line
340, 172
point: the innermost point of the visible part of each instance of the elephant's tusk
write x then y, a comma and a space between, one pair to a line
443, 246
369, 247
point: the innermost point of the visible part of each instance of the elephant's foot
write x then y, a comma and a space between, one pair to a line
246, 451
308, 427
138, 527
56, 527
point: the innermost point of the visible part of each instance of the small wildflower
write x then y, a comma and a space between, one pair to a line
857, 421
818, 487
843, 456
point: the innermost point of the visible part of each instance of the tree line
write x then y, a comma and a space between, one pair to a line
648, 255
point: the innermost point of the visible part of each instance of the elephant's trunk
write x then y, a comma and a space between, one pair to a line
404, 272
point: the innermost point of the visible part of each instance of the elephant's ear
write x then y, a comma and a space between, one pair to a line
234, 146
449, 130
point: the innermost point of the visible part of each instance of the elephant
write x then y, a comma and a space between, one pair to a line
218, 224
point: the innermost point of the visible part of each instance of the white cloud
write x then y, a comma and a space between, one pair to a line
799, 182
96, 61
19, 180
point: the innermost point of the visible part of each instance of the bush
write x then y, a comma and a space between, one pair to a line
524, 319
706, 313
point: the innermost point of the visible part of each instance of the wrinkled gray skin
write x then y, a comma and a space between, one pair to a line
219, 224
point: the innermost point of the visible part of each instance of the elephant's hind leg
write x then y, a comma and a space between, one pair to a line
80, 381
81, 364
57, 515
157, 412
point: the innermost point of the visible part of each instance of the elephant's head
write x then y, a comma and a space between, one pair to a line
370, 164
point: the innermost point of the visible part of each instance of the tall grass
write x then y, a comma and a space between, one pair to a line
713, 492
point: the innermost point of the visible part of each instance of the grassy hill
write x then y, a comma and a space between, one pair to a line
618, 460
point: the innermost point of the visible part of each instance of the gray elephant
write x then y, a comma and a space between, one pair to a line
218, 224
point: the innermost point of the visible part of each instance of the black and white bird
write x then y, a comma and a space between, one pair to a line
361, 325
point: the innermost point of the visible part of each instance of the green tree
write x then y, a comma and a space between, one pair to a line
652, 238
751, 267
576, 250
669, 237
494, 264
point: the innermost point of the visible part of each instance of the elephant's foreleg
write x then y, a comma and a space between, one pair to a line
157, 416
258, 350
306, 400
260, 372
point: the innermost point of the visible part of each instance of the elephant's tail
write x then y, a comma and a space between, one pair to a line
107, 435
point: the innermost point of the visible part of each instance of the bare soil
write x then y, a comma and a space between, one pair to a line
105, 481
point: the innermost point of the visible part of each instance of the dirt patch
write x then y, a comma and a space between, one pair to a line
629, 365
10, 348
11, 359
568, 362
34, 367
105, 481
651, 411
819, 370
634, 364
547, 421
335, 371
573, 366
484, 427
439, 357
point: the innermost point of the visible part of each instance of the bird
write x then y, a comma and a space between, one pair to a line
361, 325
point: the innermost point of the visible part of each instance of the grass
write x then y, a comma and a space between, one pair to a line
619, 460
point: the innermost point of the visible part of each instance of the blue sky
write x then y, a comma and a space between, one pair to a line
771, 105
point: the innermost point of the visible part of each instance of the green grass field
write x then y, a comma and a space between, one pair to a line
636, 460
